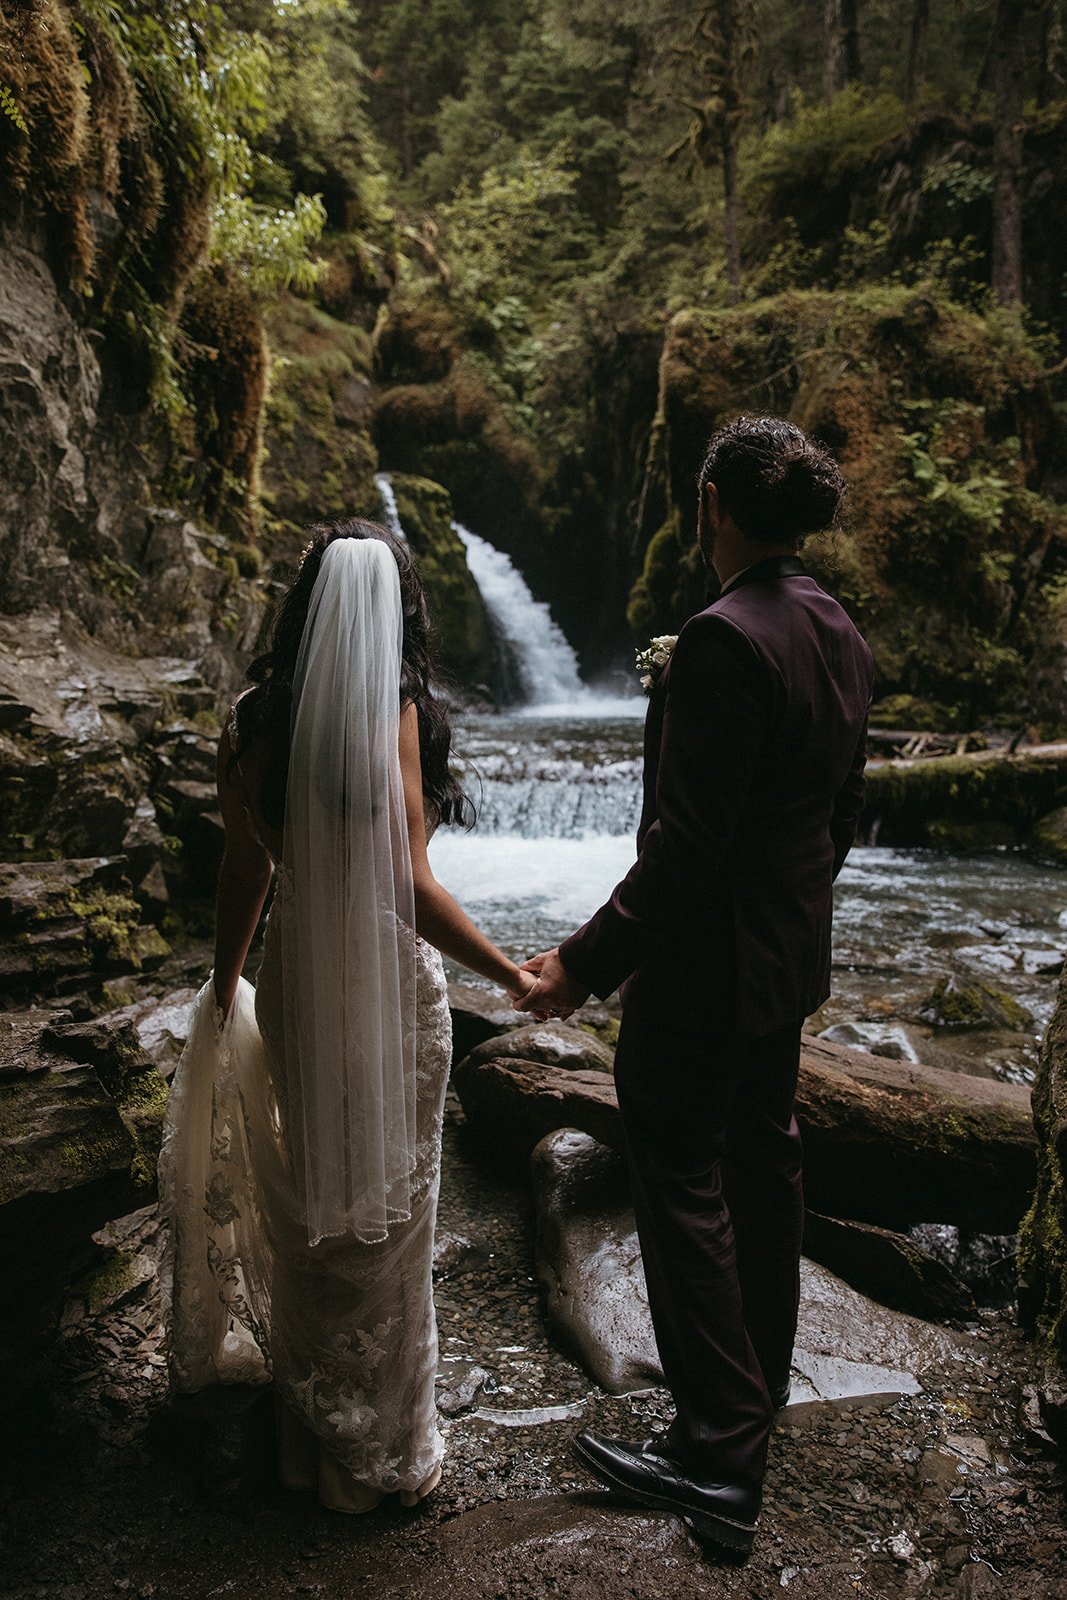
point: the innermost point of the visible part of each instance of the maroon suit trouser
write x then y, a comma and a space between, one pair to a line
715, 1164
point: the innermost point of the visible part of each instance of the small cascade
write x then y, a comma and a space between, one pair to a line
543, 662
391, 516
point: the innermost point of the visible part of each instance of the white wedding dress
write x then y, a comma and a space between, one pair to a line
346, 1330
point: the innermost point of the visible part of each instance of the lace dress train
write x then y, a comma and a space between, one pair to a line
345, 1329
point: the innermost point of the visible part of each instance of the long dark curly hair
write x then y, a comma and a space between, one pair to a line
265, 711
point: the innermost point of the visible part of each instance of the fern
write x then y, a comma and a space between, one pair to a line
10, 108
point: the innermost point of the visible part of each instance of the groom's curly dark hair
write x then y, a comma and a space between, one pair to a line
265, 711
776, 482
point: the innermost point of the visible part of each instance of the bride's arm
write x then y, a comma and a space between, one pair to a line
438, 918
244, 879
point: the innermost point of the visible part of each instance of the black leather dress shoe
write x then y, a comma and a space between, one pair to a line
724, 1513
780, 1397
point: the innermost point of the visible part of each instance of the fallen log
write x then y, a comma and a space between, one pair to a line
886, 1142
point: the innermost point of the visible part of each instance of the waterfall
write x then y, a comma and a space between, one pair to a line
384, 486
536, 665
544, 663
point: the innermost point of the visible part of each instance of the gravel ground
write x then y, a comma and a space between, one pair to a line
110, 1488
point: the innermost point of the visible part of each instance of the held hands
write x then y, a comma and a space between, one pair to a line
554, 993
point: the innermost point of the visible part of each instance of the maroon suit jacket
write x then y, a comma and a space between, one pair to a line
755, 743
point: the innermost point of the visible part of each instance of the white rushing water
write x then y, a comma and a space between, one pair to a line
544, 661
384, 485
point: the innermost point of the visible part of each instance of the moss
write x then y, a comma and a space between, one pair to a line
936, 800
944, 515
109, 1282
1048, 837
912, 713
226, 372
980, 1005
13, 1168
85, 1156
607, 1031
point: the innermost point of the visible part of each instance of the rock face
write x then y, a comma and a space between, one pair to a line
1043, 1239
589, 1264
81, 1109
589, 1261
887, 1142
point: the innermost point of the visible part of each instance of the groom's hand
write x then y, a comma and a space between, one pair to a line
555, 994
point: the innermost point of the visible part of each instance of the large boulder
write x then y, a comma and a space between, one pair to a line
550, 1044
589, 1261
1043, 1238
887, 1142
590, 1267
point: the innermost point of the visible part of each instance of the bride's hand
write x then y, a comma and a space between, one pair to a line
523, 982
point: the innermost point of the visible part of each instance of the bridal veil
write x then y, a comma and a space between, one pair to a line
349, 941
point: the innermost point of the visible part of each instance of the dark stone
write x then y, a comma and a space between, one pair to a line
477, 1015
551, 1044
892, 1269
589, 1261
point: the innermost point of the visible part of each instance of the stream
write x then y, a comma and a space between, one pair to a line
558, 796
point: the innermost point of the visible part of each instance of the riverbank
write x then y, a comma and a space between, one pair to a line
108, 1488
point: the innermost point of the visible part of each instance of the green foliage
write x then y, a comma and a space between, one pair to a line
10, 109
270, 248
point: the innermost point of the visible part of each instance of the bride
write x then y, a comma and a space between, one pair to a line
302, 1147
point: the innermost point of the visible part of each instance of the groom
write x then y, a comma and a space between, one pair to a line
720, 937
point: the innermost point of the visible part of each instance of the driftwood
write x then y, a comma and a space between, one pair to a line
886, 1142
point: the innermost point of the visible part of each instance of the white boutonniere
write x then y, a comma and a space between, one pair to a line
652, 660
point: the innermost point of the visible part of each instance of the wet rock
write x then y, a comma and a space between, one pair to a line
886, 1142
454, 1253
977, 1005
551, 1044
161, 1024
985, 1262
477, 1015
589, 1261
892, 1269
459, 1385
849, 1347
512, 1104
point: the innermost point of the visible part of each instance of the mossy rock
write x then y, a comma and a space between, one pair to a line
961, 802
958, 1006
1047, 839
1042, 1254
456, 607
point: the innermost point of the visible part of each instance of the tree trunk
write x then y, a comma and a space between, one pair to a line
920, 27
832, 66
885, 1142
850, 40
729, 184
1008, 153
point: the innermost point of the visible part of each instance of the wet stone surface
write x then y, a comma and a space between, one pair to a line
110, 1489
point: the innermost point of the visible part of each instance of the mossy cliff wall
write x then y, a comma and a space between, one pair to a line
951, 551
